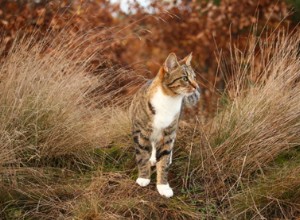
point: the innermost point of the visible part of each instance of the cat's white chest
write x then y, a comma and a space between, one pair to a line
166, 109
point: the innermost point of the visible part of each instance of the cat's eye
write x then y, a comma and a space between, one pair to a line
185, 78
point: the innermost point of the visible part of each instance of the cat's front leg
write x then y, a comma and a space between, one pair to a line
142, 150
164, 158
162, 184
144, 167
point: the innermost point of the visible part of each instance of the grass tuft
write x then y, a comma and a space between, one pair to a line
259, 123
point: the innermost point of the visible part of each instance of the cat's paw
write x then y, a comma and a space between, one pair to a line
164, 190
152, 161
142, 181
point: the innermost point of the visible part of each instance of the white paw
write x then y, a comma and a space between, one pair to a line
143, 181
152, 161
164, 190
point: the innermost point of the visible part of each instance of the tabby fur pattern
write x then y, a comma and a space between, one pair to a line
155, 112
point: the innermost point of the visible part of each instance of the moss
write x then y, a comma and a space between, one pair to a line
12, 213
295, 4
116, 158
287, 157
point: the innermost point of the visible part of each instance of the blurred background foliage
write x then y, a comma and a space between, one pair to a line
141, 38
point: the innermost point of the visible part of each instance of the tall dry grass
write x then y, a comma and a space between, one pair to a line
53, 123
44, 103
258, 121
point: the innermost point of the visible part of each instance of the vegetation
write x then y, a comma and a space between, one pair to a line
66, 149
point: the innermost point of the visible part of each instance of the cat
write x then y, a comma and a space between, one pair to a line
154, 113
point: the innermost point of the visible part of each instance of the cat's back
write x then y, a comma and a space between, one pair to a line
142, 92
138, 107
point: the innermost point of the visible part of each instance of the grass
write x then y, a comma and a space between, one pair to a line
67, 152
258, 124
43, 112
276, 191
49, 125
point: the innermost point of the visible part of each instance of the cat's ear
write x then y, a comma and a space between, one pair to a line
188, 59
171, 62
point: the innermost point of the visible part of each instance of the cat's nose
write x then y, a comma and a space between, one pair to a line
195, 86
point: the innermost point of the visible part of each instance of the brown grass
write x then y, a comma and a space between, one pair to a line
57, 119
115, 196
49, 124
259, 121
43, 104
275, 193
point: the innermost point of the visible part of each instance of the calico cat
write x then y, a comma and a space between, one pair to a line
154, 113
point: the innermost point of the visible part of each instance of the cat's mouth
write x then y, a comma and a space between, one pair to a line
186, 93
189, 91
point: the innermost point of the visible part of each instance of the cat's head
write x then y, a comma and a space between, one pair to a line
178, 76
